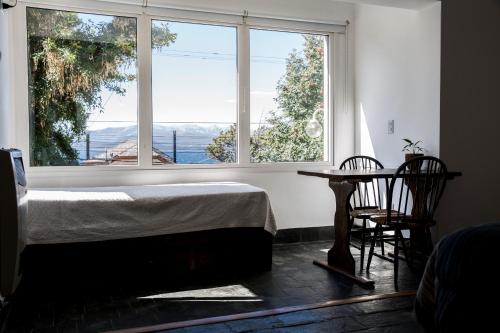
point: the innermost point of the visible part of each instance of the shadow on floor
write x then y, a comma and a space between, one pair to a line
114, 302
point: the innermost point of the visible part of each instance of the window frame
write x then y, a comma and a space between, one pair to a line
152, 18
327, 98
336, 81
27, 150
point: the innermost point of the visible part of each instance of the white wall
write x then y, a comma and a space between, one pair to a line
407, 4
397, 66
298, 201
6, 116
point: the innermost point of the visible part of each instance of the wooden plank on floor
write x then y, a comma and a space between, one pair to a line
263, 313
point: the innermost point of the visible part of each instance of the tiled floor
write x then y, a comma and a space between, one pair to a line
391, 315
78, 307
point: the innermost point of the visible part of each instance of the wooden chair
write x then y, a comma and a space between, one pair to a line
413, 196
366, 199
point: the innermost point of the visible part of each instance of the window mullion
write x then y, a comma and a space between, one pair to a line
339, 103
243, 95
329, 99
145, 109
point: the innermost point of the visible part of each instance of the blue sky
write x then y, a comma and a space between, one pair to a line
195, 78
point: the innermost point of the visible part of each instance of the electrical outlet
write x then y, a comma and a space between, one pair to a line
390, 127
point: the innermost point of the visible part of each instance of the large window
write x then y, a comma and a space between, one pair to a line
82, 88
195, 93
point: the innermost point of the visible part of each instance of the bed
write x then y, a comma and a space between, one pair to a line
72, 215
136, 233
176, 228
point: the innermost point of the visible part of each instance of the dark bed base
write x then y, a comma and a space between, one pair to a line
213, 252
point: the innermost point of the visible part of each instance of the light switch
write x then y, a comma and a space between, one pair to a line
390, 127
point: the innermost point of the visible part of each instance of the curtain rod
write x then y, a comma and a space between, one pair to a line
145, 4
246, 14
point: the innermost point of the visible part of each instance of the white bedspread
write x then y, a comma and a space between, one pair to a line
70, 215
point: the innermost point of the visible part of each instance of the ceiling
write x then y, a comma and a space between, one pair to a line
408, 4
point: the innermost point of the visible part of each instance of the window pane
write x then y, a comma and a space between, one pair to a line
286, 96
82, 88
194, 93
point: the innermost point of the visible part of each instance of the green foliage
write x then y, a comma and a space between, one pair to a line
71, 59
223, 148
300, 93
412, 147
300, 90
285, 139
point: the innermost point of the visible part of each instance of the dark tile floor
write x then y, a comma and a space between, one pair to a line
79, 307
390, 315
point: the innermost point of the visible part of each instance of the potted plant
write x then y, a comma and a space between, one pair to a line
413, 149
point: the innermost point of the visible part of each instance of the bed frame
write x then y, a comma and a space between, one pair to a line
175, 257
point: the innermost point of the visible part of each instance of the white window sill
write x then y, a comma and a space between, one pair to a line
178, 168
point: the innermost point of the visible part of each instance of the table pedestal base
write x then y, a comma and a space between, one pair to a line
364, 282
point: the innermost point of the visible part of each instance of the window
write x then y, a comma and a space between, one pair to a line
82, 88
287, 96
194, 93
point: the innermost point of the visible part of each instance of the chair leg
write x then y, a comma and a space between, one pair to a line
372, 247
382, 247
412, 248
396, 255
363, 241
405, 249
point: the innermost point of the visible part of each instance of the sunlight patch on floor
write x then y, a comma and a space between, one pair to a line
232, 293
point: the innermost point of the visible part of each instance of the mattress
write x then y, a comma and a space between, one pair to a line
68, 215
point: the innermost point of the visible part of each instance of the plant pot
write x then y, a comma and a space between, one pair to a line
413, 167
412, 156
